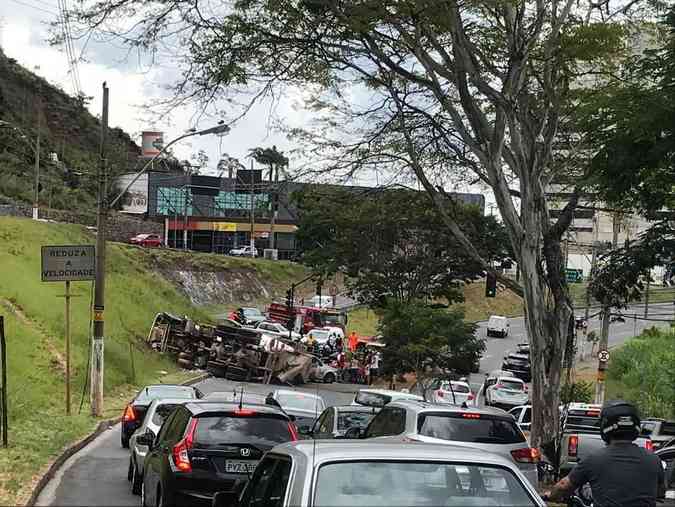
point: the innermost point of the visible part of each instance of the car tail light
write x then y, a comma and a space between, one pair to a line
572, 445
129, 414
244, 412
470, 416
593, 413
527, 455
649, 445
470, 397
181, 460
409, 439
293, 431
439, 393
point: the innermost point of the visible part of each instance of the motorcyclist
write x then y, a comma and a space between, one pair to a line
620, 474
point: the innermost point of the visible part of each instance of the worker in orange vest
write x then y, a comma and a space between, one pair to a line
353, 341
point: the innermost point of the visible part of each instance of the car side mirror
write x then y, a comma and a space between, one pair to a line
353, 433
225, 499
147, 438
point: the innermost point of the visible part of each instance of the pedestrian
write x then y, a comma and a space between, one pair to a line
374, 367
353, 341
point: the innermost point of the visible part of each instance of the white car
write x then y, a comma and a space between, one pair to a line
246, 251
505, 392
277, 329
322, 335
378, 398
498, 326
454, 392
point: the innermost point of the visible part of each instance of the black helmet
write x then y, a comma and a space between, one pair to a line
619, 420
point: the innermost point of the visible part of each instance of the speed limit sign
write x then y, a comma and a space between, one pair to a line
603, 356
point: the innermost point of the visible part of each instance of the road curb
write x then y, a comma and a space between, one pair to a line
81, 444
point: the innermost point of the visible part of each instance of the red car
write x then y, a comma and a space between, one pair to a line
147, 240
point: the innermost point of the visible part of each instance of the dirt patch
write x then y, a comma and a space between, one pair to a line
57, 361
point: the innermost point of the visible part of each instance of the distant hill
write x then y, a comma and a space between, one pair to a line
67, 129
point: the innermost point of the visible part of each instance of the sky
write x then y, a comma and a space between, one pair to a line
24, 29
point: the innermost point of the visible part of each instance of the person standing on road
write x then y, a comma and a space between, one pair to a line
353, 342
374, 367
621, 474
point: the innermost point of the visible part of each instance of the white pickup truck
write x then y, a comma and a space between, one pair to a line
581, 434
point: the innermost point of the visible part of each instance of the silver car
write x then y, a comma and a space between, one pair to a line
505, 391
158, 410
322, 372
343, 473
487, 429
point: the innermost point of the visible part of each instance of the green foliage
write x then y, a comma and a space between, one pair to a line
642, 371
580, 392
393, 243
422, 339
594, 41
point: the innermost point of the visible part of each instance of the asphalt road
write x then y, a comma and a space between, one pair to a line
619, 332
97, 475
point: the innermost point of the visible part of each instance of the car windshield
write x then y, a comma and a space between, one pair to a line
511, 384
300, 401
252, 312
372, 399
348, 420
397, 483
156, 392
647, 428
262, 429
457, 388
470, 427
161, 413
320, 334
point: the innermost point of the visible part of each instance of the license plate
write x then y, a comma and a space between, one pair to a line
240, 467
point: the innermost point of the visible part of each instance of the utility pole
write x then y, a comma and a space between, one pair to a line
274, 204
604, 336
594, 258
252, 241
36, 198
649, 282
96, 395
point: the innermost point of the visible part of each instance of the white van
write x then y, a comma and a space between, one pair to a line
321, 301
498, 326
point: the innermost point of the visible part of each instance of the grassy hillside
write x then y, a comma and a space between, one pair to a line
34, 323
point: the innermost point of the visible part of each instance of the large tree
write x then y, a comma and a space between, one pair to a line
445, 89
391, 243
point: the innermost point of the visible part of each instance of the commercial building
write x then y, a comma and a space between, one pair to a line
217, 214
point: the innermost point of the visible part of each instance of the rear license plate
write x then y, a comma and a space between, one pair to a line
240, 467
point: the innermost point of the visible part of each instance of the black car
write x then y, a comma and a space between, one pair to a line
335, 421
135, 410
518, 364
204, 447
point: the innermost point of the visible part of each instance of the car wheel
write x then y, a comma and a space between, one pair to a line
136, 480
124, 441
329, 378
130, 472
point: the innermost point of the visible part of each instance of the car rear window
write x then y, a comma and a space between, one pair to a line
458, 388
348, 420
510, 384
470, 427
372, 399
267, 429
156, 392
667, 428
300, 401
580, 421
161, 413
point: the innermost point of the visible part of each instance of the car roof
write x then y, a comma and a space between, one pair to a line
201, 407
388, 392
355, 408
322, 451
497, 317
425, 406
500, 373
295, 393
233, 397
170, 401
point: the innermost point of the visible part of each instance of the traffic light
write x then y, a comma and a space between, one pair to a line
491, 285
289, 298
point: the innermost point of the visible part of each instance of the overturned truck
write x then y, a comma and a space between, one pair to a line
234, 353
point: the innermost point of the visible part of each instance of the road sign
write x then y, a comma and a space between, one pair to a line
574, 275
69, 263
603, 356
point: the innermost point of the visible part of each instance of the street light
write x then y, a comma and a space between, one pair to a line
103, 206
36, 149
